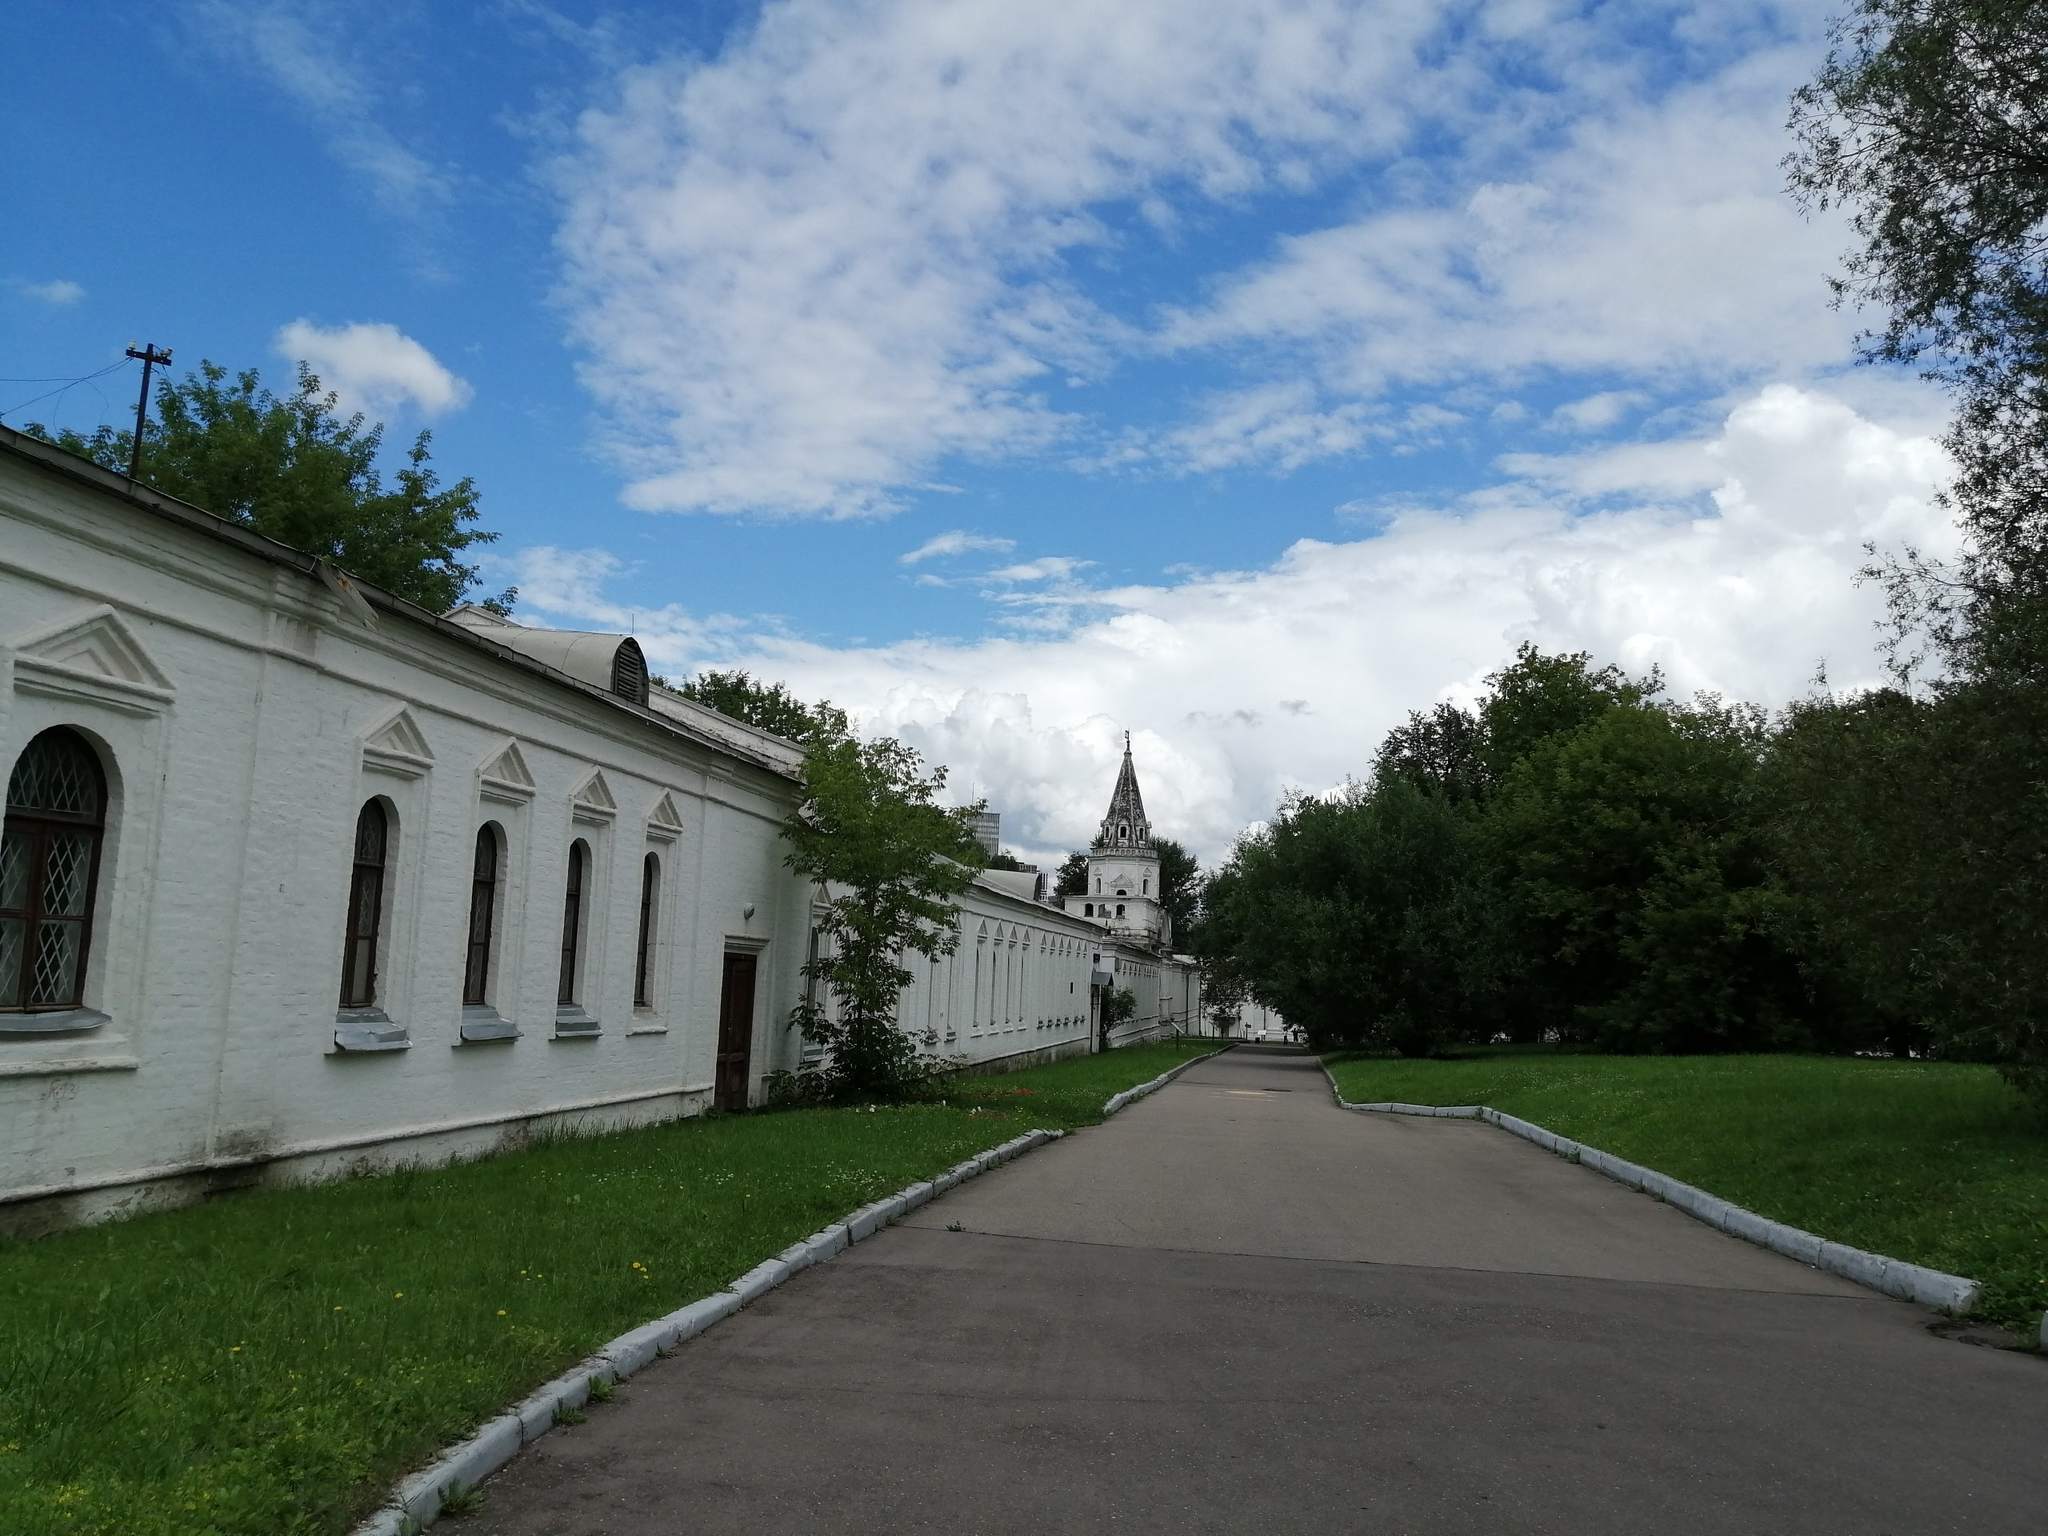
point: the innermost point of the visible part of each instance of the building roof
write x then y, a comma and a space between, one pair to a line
1125, 825
1025, 884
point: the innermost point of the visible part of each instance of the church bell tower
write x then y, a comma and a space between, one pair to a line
1123, 867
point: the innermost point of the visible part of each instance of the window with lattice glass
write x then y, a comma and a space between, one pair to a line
49, 872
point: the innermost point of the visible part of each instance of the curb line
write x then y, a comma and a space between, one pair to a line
1893, 1277
1132, 1095
416, 1502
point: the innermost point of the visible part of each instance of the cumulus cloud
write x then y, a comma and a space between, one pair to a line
1726, 558
375, 369
59, 291
955, 541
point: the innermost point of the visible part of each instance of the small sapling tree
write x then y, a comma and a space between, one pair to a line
1224, 994
889, 861
1118, 1006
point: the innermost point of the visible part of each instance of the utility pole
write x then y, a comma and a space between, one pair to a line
149, 357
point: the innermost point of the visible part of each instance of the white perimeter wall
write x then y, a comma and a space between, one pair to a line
244, 717
238, 767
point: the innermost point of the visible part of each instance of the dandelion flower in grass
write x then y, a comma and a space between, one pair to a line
398, 1295
501, 1311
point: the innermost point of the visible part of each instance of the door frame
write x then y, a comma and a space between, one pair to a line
755, 949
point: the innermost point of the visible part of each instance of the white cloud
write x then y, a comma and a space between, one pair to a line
1596, 412
308, 54
858, 240
1044, 568
58, 291
375, 369
955, 541
808, 269
1653, 243
1727, 559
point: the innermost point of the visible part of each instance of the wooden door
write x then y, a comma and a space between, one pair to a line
735, 1033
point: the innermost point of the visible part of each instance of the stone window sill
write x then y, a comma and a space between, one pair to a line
647, 1022
572, 1023
55, 1021
482, 1024
368, 1029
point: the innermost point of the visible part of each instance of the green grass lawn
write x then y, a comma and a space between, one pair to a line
1933, 1162
274, 1361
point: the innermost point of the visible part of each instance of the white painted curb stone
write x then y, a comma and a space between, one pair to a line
1893, 1277
1132, 1095
416, 1502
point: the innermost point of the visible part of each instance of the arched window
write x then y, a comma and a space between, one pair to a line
1098, 885
1119, 909
1123, 831
49, 872
483, 903
643, 966
1145, 886
365, 908
572, 920
1087, 909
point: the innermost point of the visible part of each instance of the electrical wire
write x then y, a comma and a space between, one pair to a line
70, 384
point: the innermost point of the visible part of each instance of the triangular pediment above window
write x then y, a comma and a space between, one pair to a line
665, 821
593, 802
505, 776
91, 655
398, 746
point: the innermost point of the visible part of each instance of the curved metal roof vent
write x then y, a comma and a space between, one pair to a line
629, 672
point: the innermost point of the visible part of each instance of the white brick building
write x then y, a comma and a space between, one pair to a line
297, 875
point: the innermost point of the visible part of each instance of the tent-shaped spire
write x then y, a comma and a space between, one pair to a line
1125, 826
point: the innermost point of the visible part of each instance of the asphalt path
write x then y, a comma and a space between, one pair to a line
1236, 1307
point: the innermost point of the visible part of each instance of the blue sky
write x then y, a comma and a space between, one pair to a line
1239, 375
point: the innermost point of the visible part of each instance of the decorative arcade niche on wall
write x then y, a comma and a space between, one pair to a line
494, 937
82, 757
381, 919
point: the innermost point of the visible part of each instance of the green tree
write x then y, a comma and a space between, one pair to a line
1180, 888
1119, 1007
1927, 123
770, 706
1224, 993
1441, 753
889, 862
293, 470
1539, 698
1004, 859
1636, 874
1353, 915
1073, 876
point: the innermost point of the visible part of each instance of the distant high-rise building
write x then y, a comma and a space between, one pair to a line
988, 831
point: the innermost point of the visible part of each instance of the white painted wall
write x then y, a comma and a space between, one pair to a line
244, 711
